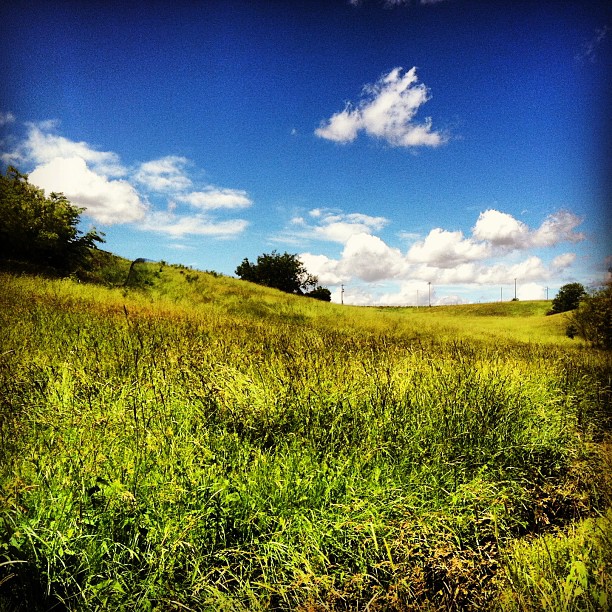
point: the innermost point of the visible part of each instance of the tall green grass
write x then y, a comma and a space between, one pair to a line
206, 444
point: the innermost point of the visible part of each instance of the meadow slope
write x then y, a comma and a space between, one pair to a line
201, 443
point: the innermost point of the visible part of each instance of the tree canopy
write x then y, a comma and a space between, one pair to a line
281, 271
568, 298
41, 230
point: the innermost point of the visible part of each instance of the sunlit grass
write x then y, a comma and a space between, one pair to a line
204, 443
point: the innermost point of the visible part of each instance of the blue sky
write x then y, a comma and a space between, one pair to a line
389, 144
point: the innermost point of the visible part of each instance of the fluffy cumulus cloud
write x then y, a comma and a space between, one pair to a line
324, 268
370, 258
106, 201
111, 192
498, 251
42, 145
502, 230
446, 249
387, 111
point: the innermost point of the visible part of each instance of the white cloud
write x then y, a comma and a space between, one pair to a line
557, 228
198, 225
504, 231
324, 268
531, 291
386, 111
447, 249
6, 118
364, 256
216, 197
371, 259
444, 258
531, 269
407, 295
563, 261
332, 225
98, 182
165, 174
500, 229
41, 147
106, 201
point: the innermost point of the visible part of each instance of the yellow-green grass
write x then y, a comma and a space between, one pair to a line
198, 442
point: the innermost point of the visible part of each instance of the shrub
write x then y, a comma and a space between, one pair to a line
593, 319
568, 298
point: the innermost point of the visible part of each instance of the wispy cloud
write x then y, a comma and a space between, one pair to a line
386, 111
589, 50
216, 197
178, 226
166, 174
6, 118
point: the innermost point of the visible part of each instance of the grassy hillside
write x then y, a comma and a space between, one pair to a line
193, 442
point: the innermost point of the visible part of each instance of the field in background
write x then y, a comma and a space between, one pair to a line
193, 442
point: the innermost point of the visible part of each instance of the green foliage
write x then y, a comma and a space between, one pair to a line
41, 230
208, 444
593, 319
285, 272
320, 293
568, 298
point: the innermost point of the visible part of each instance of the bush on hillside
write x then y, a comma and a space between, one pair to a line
320, 293
285, 272
593, 318
568, 298
41, 230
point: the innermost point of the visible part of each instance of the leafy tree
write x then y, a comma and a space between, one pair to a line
320, 293
285, 272
41, 230
593, 318
568, 298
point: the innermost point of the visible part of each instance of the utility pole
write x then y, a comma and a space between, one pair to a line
501, 294
417, 298
515, 289
429, 291
341, 294
547, 294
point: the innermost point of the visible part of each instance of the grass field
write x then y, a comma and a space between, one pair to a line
201, 443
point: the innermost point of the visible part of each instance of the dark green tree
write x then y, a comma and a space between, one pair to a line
568, 298
592, 320
41, 230
285, 272
320, 293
